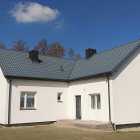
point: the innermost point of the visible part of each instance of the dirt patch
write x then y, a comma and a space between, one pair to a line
51, 132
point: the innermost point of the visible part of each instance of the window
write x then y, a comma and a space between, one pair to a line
59, 96
95, 101
27, 100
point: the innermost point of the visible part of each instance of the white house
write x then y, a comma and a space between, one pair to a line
102, 86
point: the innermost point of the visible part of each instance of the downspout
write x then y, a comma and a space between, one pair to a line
9, 102
109, 105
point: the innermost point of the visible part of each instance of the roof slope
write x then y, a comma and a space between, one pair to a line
103, 62
17, 64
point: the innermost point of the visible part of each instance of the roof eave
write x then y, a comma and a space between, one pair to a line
60, 80
35, 78
105, 74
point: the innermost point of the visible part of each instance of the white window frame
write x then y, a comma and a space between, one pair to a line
25, 100
60, 97
94, 101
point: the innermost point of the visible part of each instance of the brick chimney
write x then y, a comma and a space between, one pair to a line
90, 52
33, 55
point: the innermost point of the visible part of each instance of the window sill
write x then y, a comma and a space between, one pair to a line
95, 109
60, 101
28, 109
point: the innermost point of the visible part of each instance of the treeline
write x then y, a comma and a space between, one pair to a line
44, 48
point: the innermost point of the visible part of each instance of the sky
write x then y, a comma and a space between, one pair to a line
80, 24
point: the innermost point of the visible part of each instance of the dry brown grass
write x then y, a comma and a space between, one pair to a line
55, 133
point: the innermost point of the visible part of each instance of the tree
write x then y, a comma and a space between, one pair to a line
78, 56
56, 49
20, 46
2, 46
42, 47
71, 53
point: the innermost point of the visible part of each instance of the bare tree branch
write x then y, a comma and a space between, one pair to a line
56, 49
42, 47
2, 46
20, 46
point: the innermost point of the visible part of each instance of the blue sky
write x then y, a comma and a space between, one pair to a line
80, 24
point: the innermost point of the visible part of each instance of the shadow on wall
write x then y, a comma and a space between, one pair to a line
37, 83
88, 80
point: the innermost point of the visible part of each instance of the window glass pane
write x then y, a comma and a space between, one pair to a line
30, 100
93, 101
30, 95
98, 102
22, 98
59, 96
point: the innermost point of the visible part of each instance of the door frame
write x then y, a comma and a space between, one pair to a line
78, 116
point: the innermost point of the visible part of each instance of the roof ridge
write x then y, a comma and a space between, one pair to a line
72, 69
56, 57
6, 49
119, 46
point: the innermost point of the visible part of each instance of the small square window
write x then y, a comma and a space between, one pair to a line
95, 101
59, 97
27, 100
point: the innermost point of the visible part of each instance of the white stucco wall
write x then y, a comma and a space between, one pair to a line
48, 109
4, 90
126, 92
84, 88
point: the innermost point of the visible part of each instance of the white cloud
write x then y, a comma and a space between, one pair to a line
59, 24
33, 12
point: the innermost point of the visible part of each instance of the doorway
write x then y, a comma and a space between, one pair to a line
78, 106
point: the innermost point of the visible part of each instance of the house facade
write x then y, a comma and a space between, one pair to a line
103, 86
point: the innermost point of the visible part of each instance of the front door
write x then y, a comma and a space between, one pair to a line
78, 107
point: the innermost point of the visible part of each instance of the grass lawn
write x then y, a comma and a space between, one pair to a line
55, 133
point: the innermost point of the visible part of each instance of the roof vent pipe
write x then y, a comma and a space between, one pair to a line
90, 52
33, 55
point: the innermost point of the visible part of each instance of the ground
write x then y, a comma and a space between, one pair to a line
50, 132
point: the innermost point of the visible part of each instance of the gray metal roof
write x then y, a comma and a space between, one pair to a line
104, 62
17, 64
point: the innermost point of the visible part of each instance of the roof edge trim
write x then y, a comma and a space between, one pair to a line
93, 76
127, 57
34, 78
60, 80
